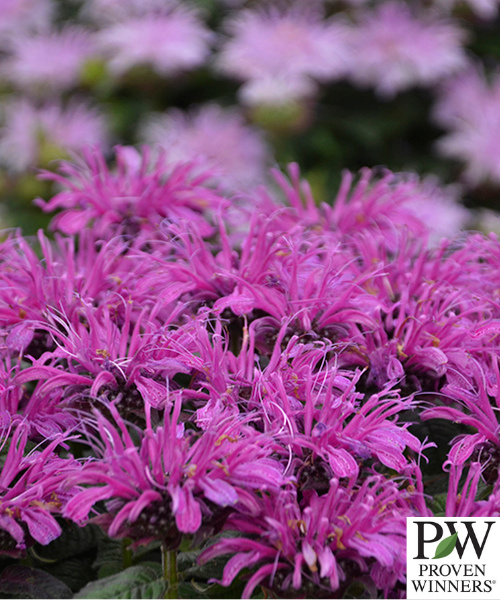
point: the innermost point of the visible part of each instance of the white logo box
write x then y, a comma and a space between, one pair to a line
453, 557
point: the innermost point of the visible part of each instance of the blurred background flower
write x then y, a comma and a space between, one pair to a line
219, 138
240, 86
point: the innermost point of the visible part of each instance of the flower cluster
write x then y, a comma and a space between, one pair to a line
270, 369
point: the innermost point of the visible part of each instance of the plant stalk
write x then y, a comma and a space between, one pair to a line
169, 561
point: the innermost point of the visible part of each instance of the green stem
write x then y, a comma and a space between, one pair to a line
169, 560
127, 557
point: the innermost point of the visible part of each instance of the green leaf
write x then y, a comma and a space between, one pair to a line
109, 559
17, 581
140, 582
446, 546
73, 541
438, 505
70, 557
74, 572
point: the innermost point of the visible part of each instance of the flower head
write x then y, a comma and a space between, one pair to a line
177, 480
315, 546
171, 42
32, 135
135, 197
291, 46
393, 50
218, 138
49, 62
33, 491
469, 109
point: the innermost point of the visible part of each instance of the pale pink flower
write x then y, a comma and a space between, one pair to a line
51, 61
489, 221
108, 11
394, 50
284, 46
439, 209
219, 139
462, 95
28, 130
171, 42
470, 108
19, 16
276, 91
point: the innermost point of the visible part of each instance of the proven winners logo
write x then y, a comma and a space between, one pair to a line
453, 557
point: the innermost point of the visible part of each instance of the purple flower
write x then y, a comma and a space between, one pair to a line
58, 282
34, 135
125, 359
49, 62
394, 50
473, 401
468, 107
170, 41
33, 491
461, 500
234, 151
321, 542
111, 11
259, 365
20, 17
283, 49
176, 480
135, 197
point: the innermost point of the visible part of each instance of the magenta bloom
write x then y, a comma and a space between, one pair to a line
176, 480
121, 358
474, 402
134, 197
322, 542
33, 491
265, 366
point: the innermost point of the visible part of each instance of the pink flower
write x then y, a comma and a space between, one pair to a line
171, 42
104, 361
32, 134
469, 107
219, 139
19, 17
134, 198
33, 491
292, 46
322, 541
440, 209
49, 62
109, 11
175, 480
394, 50
276, 90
